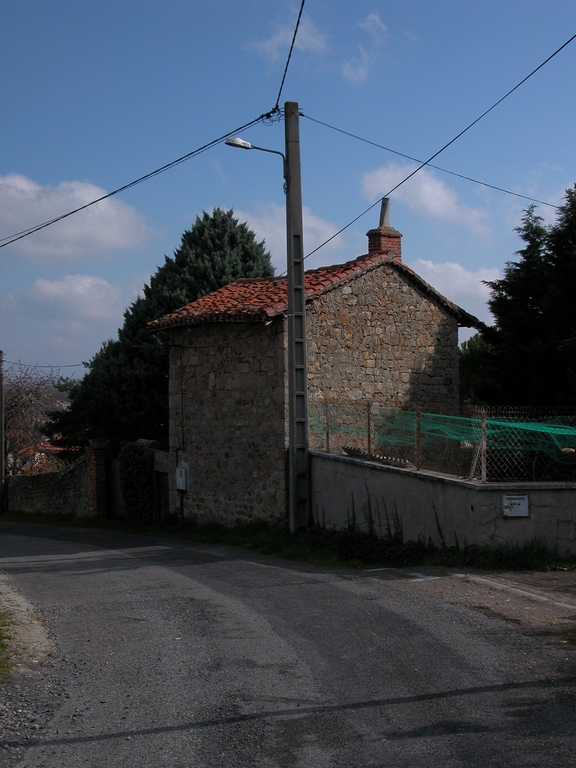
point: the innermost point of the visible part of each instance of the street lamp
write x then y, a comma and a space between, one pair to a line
236, 141
298, 455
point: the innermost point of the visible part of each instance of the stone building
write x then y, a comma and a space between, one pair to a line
376, 332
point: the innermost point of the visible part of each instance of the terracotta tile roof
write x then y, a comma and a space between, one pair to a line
261, 298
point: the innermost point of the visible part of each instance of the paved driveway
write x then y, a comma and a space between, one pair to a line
172, 655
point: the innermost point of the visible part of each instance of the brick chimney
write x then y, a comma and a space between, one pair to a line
385, 240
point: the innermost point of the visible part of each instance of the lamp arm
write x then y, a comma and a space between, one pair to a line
285, 164
272, 151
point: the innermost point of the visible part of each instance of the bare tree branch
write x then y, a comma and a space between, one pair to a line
29, 395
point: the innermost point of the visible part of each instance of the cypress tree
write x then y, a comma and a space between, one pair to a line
124, 394
529, 356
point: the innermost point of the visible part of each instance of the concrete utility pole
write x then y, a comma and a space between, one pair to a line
298, 454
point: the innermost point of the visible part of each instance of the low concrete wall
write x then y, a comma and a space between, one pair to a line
425, 502
65, 492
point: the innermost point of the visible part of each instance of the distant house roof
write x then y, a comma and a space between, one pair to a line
261, 298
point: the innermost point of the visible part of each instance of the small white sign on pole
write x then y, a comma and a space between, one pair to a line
515, 506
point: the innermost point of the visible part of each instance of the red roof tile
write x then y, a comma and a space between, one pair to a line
260, 298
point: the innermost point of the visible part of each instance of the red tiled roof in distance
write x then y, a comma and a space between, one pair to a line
261, 298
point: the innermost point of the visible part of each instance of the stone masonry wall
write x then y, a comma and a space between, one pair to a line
377, 339
228, 381
66, 492
380, 339
99, 458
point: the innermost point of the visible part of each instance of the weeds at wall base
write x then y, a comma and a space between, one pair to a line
5, 621
317, 545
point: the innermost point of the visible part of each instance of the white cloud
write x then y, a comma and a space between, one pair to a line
61, 321
106, 226
269, 223
74, 299
462, 286
549, 214
358, 67
425, 194
374, 27
309, 38
76, 296
136, 283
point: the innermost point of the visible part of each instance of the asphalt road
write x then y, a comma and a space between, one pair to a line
173, 655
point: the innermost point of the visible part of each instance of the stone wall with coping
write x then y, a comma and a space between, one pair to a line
66, 492
380, 339
228, 421
426, 502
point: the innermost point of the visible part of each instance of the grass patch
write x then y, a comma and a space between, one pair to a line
569, 637
350, 547
5, 621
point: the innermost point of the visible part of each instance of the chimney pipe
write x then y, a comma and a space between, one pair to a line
385, 212
385, 240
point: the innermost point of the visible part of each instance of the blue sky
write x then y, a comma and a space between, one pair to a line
94, 95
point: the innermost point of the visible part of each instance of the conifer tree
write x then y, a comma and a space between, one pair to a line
124, 394
529, 356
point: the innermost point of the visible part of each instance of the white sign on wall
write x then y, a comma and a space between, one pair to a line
182, 477
515, 506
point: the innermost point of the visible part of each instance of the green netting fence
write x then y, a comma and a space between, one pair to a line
496, 444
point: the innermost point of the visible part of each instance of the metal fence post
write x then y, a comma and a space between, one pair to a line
483, 448
418, 440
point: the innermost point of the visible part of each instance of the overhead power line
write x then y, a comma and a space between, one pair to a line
436, 167
274, 113
276, 106
9, 239
448, 144
29, 365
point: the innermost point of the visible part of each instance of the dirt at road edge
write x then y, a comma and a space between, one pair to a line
29, 642
542, 604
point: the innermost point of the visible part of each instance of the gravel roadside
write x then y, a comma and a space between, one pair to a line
32, 694
541, 604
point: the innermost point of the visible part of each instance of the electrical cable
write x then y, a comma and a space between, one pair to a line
9, 239
448, 144
276, 106
29, 365
436, 167
266, 117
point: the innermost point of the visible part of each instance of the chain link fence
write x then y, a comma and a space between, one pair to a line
492, 444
